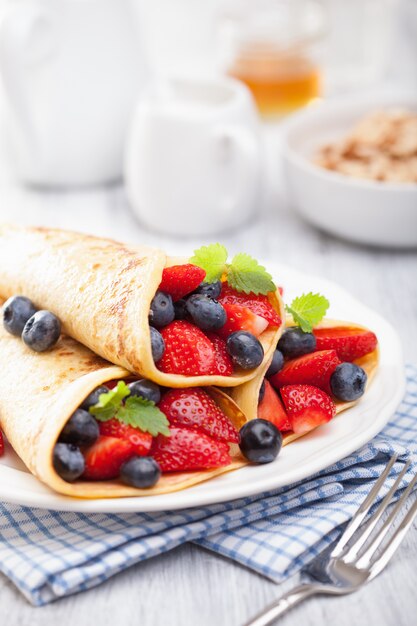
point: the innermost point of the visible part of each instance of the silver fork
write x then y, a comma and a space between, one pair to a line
348, 567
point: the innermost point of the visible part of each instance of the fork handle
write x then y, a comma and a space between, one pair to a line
284, 603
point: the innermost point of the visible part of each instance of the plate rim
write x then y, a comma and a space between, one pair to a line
191, 498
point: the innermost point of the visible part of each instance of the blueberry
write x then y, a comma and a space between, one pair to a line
245, 349
93, 398
212, 290
206, 313
162, 310
146, 389
41, 331
81, 429
348, 382
294, 342
261, 392
157, 344
140, 471
180, 309
277, 364
68, 461
16, 312
260, 441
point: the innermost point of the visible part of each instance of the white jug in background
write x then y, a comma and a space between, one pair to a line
193, 156
71, 73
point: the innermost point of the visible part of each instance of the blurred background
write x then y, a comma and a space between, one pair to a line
166, 122
73, 71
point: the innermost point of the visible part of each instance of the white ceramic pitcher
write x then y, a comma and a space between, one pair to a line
193, 156
72, 70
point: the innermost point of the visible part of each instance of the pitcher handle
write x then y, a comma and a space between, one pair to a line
237, 145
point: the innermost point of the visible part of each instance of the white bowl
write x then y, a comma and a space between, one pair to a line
371, 212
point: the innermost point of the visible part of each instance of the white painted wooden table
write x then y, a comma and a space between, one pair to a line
190, 586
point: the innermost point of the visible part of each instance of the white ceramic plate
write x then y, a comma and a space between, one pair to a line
299, 460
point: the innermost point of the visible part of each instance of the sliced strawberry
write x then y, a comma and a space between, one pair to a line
241, 318
105, 457
259, 305
349, 343
271, 408
1, 444
223, 362
141, 441
307, 407
310, 369
187, 350
187, 449
195, 409
179, 280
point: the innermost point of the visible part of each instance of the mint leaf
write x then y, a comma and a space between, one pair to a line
109, 403
212, 259
308, 310
143, 414
245, 274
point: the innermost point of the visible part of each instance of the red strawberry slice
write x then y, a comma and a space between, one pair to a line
105, 457
257, 304
271, 408
241, 318
179, 280
311, 369
187, 449
307, 407
195, 409
349, 343
1, 444
223, 362
187, 350
140, 441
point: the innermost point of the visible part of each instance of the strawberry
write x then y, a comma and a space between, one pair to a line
271, 408
349, 343
259, 305
310, 369
307, 407
241, 318
187, 449
140, 441
105, 457
223, 362
179, 280
187, 350
195, 409
1, 444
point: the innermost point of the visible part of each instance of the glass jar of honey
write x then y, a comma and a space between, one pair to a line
273, 46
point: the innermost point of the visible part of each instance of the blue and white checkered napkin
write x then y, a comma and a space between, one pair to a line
49, 555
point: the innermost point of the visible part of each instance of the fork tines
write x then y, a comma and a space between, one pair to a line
360, 533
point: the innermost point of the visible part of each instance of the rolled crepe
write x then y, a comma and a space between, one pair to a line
246, 396
38, 394
102, 290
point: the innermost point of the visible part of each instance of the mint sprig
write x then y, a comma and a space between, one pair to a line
109, 403
212, 259
143, 414
308, 310
134, 411
243, 274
